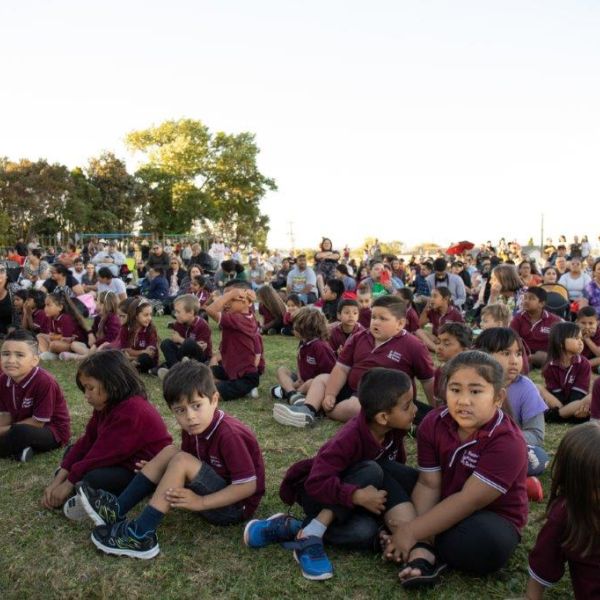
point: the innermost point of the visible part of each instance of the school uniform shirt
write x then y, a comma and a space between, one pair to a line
145, 337
198, 330
321, 475
338, 337
437, 320
37, 396
364, 317
314, 357
403, 352
595, 402
67, 327
525, 400
412, 320
231, 449
548, 557
239, 344
535, 334
118, 436
596, 340
574, 378
111, 329
40, 321
496, 455
265, 313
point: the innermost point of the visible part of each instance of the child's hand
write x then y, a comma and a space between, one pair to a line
140, 465
56, 495
184, 498
328, 403
370, 498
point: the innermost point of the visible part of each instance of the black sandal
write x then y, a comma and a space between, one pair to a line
430, 573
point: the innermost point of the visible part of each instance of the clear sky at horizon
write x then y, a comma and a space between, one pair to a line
413, 121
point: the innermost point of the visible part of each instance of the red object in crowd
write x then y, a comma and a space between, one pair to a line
460, 247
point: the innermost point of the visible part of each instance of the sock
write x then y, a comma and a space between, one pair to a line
139, 487
312, 408
147, 522
315, 528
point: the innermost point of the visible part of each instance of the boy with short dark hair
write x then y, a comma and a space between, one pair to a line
587, 319
347, 324
34, 416
533, 324
191, 335
355, 483
218, 473
332, 294
238, 372
454, 338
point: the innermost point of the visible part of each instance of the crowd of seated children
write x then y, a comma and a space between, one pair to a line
138, 338
271, 309
292, 305
315, 356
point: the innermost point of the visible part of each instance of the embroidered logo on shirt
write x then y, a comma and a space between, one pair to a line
27, 403
470, 459
142, 343
545, 329
394, 355
215, 462
311, 360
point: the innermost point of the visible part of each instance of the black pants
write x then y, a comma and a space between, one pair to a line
20, 436
145, 363
358, 528
175, 352
232, 389
480, 544
552, 416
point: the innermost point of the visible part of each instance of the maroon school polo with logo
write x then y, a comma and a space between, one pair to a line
436, 319
412, 320
111, 328
314, 358
37, 395
231, 449
338, 337
403, 352
496, 455
239, 344
67, 326
548, 557
535, 334
40, 321
198, 330
574, 378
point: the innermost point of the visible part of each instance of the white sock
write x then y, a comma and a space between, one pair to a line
315, 528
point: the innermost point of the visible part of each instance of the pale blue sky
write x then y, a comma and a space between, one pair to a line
422, 120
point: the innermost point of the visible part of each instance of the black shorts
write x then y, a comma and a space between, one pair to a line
232, 389
345, 393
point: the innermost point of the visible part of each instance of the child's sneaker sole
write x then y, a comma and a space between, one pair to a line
285, 416
125, 552
73, 509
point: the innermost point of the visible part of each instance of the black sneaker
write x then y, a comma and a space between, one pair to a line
26, 454
120, 540
102, 507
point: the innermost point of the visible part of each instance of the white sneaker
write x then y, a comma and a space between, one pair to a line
74, 510
295, 416
48, 356
26, 454
254, 393
162, 373
277, 392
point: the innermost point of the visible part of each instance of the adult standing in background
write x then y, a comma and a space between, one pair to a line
326, 260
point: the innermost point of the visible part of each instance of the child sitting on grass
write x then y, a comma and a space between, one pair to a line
292, 305
271, 309
355, 483
237, 373
191, 335
218, 473
328, 303
315, 356
587, 319
454, 338
123, 429
439, 310
34, 416
494, 315
347, 325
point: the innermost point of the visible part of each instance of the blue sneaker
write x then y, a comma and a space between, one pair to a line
310, 554
274, 530
120, 540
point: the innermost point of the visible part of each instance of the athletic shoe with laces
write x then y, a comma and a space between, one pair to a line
26, 454
73, 509
296, 399
120, 539
274, 530
295, 416
310, 554
277, 392
102, 507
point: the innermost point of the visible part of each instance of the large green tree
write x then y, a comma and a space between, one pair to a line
194, 175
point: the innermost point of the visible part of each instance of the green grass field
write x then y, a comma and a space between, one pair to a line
43, 555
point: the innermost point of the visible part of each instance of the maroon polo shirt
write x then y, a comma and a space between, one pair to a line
548, 557
338, 337
586, 350
364, 317
231, 449
37, 395
412, 320
535, 334
403, 352
198, 330
145, 337
265, 313
595, 403
574, 378
436, 319
119, 436
351, 444
40, 321
239, 345
68, 327
111, 328
496, 455
314, 357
